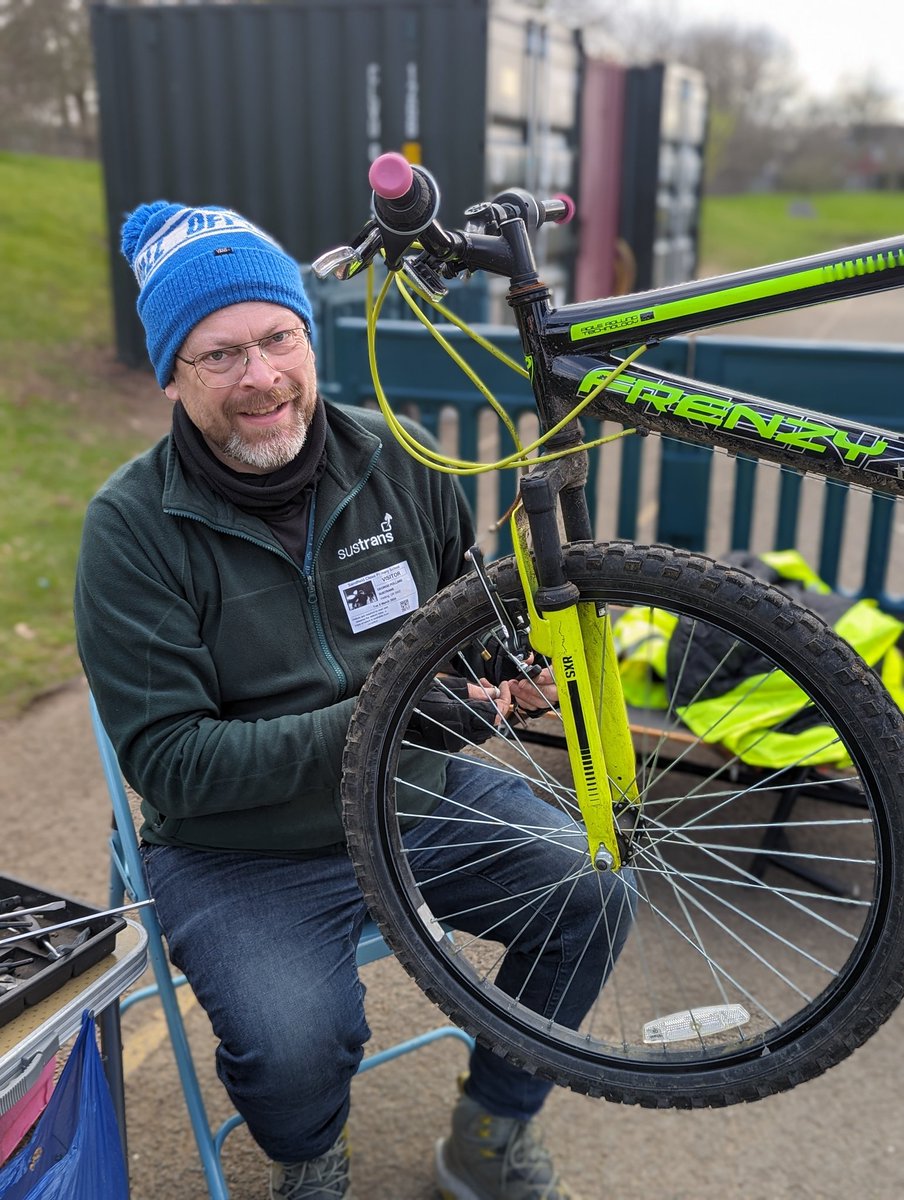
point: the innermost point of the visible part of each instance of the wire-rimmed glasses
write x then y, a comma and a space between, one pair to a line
226, 365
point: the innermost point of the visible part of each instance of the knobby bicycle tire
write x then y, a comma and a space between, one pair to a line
776, 889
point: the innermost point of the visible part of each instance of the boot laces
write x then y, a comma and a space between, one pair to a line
527, 1160
324, 1178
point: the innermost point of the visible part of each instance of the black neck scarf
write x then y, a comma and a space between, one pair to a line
281, 499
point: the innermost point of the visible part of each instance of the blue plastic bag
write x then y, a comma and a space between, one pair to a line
75, 1152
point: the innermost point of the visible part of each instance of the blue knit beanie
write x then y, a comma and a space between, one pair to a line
189, 262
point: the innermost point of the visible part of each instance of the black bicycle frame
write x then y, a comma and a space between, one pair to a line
570, 350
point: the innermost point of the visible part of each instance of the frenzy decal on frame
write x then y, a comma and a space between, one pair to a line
806, 432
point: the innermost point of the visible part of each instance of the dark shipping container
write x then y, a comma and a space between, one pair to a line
277, 110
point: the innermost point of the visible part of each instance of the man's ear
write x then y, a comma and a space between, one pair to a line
172, 390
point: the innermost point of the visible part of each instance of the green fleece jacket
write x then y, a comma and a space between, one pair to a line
224, 672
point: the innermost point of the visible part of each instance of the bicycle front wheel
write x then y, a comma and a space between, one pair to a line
765, 878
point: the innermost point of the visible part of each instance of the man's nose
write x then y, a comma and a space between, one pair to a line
259, 371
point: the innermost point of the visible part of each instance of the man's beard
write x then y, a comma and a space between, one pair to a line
272, 448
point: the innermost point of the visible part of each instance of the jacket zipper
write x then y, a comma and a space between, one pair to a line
307, 573
310, 557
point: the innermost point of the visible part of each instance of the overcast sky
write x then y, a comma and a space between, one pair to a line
832, 40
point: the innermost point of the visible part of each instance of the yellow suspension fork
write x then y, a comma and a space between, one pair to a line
577, 640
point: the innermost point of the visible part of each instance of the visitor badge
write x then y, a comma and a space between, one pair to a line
379, 597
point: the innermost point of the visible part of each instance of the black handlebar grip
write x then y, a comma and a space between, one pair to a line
406, 197
536, 212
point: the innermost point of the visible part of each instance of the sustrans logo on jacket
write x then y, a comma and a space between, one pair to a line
383, 538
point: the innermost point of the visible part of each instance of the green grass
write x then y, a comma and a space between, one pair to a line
54, 285
63, 419
738, 232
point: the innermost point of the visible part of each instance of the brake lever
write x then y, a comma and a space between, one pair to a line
346, 261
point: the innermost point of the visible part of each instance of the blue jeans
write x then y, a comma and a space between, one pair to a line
268, 945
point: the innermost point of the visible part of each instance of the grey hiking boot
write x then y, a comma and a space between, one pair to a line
323, 1178
495, 1158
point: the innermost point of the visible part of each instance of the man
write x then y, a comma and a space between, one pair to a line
217, 624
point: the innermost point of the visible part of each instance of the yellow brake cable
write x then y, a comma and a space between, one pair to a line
443, 463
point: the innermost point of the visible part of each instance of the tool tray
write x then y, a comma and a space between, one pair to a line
26, 983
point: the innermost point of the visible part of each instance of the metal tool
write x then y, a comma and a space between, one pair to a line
16, 911
94, 916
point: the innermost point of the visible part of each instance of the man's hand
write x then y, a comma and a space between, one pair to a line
454, 713
529, 697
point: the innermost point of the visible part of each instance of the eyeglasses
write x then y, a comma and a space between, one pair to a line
226, 365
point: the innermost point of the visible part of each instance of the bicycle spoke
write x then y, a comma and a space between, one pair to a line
744, 910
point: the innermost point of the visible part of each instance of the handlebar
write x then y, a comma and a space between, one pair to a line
559, 209
405, 203
406, 198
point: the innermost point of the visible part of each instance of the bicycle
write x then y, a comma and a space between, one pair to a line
747, 971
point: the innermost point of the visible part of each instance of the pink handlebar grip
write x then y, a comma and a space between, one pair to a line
390, 175
570, 206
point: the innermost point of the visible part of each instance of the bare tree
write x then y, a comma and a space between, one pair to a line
753, 88
48, 100
47, 97
863, 101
